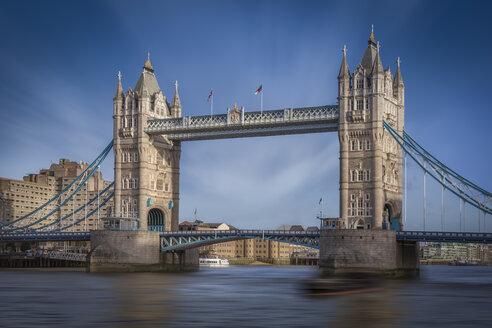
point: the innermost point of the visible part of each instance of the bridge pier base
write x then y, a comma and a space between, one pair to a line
372, 252
134, 251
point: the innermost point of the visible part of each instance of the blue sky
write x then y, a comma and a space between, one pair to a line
59, 62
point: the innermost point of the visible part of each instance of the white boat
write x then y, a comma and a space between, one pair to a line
213, 262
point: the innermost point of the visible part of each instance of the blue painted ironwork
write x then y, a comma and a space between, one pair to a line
45, 236
437, 236
180, 240
67, 217
446, 177
237, 124
58, 200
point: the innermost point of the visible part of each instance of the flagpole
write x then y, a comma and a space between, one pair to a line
212, 104
321, 207
261, 101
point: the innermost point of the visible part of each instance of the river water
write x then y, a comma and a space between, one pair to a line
240, 296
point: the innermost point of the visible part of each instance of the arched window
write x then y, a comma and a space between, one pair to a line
368, 175
361, 176
352, 144
135, 157
368, 144
354, 175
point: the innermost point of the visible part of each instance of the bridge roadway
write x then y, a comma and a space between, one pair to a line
238, 124
179, 240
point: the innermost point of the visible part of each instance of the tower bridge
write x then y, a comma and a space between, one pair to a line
369, 120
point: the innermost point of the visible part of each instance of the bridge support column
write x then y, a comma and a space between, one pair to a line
123, 251
135, 251
373, 252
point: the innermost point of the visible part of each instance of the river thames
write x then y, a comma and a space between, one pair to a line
240, 296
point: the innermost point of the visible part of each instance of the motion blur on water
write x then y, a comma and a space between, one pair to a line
241, 296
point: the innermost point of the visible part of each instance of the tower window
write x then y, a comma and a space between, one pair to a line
368, 196
361, 176
368, 145
352, 197
360, 83
360, 104
352, 144
354, 175
361, 145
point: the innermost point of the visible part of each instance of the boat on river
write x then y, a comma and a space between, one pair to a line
213, 262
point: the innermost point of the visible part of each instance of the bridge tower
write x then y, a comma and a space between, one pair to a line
146, 170
370, 160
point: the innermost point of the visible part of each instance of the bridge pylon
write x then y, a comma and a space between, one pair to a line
146, 168
370, 160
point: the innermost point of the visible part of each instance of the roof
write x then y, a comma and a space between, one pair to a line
147, 82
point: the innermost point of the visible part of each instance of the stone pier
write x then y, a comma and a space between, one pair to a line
135, 251
374, 252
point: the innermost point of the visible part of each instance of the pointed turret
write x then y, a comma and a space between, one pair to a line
378, 66
147, 83
398, 81
176, 104
344, 69
119, 89
371, 52
398, 86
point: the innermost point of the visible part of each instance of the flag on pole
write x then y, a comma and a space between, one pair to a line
195, 211
259, 89
210, 95
320, 200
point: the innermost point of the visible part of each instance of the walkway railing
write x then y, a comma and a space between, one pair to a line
238, 123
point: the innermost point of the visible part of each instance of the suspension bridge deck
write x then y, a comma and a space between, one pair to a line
238, 124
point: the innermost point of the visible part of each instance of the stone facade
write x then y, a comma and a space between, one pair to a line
146, 167
370, 160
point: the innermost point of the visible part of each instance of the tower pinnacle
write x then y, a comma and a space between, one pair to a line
372, 39
398, 81
344, 69
119, 88
148, 64
176, 104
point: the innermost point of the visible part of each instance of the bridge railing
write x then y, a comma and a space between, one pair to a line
239, 233
258, 118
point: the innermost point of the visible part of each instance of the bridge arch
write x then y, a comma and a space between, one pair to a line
156, 220
361, 224
391, 219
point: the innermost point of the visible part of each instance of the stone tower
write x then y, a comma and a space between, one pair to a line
146, 168
370, 160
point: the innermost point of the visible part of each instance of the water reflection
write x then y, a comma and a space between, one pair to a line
240, 297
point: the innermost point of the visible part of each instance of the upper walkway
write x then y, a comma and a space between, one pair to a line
238, 124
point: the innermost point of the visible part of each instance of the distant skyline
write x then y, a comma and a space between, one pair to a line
59, 62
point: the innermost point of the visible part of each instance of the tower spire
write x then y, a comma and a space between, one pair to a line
119, 88
397, 81
344, 69
176, 104
372, 38
378, 66
148, 64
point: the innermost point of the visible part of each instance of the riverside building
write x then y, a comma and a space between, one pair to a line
253, 249
20, 197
